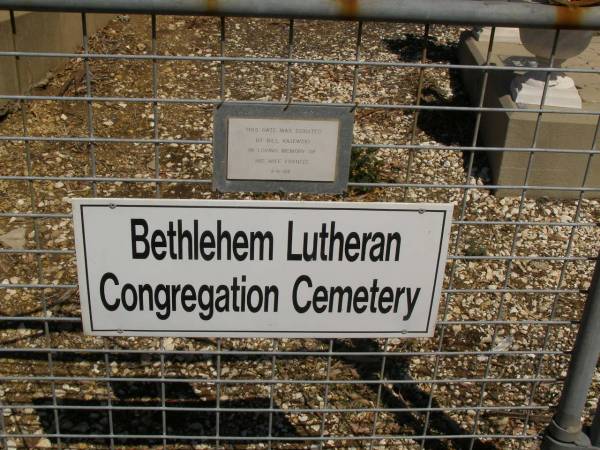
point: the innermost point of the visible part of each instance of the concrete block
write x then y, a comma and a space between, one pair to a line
516, 129
40, 31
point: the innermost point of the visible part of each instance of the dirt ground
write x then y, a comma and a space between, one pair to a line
75, 373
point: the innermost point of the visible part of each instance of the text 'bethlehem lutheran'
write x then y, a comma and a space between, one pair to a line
187, 241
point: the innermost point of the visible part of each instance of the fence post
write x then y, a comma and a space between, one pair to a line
565, 431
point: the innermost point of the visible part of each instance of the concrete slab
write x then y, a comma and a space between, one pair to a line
40, 31
516, 129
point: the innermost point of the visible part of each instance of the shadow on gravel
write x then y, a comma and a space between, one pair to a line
407, 395
409, 48
149, 422
37, 330
447, 127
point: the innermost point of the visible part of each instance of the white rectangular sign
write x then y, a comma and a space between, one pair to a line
259, 268
282, 149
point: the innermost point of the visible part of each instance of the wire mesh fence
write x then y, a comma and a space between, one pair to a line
129, 114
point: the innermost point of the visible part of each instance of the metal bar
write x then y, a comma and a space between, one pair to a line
92, 158
464, 291
272, 387
270, 410
217, 102
460, 230
326, 395
292, 354
163, 393
36, 226
3, 426
70, 251
155, 132
462, 12
89, 107
218, 394
17, 214
267, 438
222, 24
563, 270
355, 75
379, 390
109, 406
307, 353
457, 148
290, 52
365, 185
220, 381
415, 121
290, 60
509, 264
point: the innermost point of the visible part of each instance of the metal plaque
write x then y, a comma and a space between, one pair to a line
278, 148
259, 268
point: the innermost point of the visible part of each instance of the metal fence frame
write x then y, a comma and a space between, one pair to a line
565, 430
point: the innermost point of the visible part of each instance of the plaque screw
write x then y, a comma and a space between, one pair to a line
112, 206
120, 331
421, 211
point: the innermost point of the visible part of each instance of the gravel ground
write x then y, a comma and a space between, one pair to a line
185, 358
